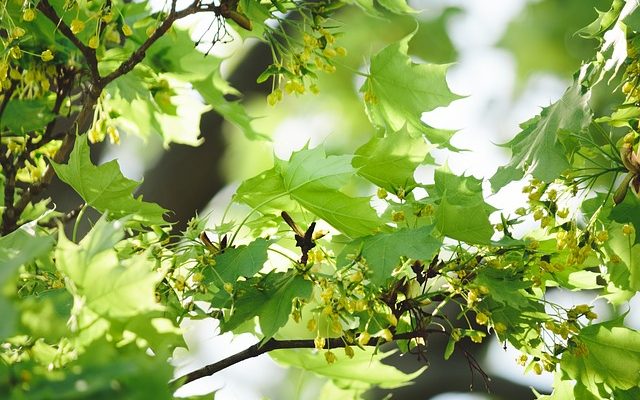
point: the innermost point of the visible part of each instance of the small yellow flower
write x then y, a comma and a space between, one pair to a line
94, 42
397, 216
29, 15
341, 51
348, 351
364, 338
319, 342
17, 32
537, 368
329, 52
126, 30
46, 55
482, 318
627, 229
330, 357
312, 324
77, 26
108, 17
16, 52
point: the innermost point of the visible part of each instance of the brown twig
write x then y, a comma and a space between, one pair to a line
275, 344
65, 149
53, 222
7, 96
140, 52
98, 83
89, 54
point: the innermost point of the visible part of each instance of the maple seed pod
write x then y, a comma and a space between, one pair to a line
621, 191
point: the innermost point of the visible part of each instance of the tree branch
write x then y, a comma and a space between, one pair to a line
7, 96
275, 344
67, 145
138, 55
53, 222
89, 54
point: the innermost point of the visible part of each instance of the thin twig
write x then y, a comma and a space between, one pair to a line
7, 96
275, 344
89, 54
140, 53
63, 219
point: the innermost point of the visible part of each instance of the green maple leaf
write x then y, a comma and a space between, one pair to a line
625, 277
19, 247
244, 260
269, 298
314, 181
105, 188
462, 213
13, 117
402, 90
390, 162
364, 368
383, 251
504, 287
274, 313
106, 285
538, 150
213, 89
611, 356
628, 212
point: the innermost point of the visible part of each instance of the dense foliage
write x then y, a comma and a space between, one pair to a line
335, 255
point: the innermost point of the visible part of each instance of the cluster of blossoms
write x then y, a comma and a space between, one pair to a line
297, 66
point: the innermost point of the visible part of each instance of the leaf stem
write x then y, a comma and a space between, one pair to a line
77, 223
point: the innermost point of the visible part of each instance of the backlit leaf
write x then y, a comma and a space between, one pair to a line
105, 188
398, 91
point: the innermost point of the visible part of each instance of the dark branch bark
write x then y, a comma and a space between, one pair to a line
275, 344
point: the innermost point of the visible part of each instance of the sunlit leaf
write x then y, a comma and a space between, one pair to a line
365, 367
382, 251
104, 187
606, 353
110, 287
538, 150
390, 162
398, 91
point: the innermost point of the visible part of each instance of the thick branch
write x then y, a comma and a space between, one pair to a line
275, 344
89, 54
